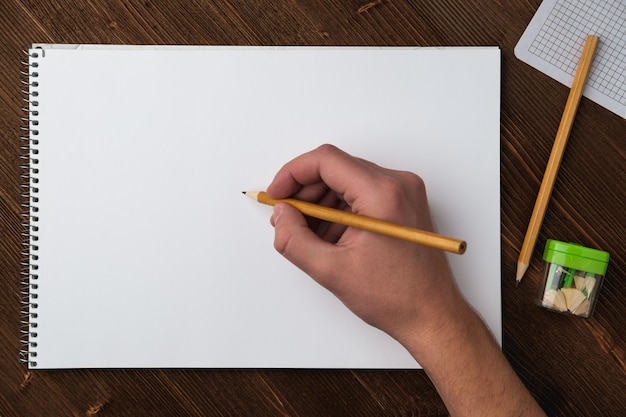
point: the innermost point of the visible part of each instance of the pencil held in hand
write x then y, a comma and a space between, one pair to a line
370, 224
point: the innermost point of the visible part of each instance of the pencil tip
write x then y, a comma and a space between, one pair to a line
252, 194
521, 270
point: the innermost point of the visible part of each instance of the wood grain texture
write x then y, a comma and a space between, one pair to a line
575, 367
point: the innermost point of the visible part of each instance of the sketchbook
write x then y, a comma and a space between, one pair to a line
131, 260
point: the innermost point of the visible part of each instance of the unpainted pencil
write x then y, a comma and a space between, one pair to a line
556, 155
382, 227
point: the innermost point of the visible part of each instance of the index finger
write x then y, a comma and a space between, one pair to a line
346, 175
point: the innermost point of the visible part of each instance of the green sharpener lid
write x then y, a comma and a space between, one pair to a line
576, 256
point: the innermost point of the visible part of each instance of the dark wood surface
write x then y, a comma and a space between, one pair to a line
575, 367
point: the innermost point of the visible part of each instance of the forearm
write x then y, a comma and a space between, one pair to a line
384, 280
468, 368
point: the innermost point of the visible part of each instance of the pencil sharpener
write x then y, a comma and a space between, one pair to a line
572, 278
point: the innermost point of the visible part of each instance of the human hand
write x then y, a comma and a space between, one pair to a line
394, 285
405, 289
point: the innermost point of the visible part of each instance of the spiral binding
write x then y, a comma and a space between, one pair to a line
29, 142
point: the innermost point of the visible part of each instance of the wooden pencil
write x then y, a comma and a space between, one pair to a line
421, 237
554, 161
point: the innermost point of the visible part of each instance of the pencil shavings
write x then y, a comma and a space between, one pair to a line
585, 284
567, 299
573, 298
580, 282
555, 300
583, 309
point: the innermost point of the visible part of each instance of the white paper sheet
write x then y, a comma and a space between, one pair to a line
150, 256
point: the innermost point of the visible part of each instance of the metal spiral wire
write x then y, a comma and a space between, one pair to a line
29, 176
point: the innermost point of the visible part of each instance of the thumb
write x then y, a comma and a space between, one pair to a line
298, 243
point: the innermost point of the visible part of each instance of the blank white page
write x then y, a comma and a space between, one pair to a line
150, 256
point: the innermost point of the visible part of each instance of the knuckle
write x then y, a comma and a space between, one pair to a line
414, 182
327, 148
402, 190
392, 185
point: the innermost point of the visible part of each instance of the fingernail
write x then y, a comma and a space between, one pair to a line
276, 213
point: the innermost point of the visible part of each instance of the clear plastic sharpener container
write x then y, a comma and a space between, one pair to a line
572, 278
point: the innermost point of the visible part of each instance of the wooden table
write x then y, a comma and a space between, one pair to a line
575, 367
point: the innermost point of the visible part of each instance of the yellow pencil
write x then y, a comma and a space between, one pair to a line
549, 177
370, 224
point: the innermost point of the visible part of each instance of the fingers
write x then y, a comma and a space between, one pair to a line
333, 178
365, 187
299, 244
327, 164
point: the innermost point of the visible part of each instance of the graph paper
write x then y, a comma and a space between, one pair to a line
554, 39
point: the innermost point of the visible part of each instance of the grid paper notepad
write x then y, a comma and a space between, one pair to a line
554, 40
134, 263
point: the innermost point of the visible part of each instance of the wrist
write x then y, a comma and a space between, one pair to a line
439, 328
